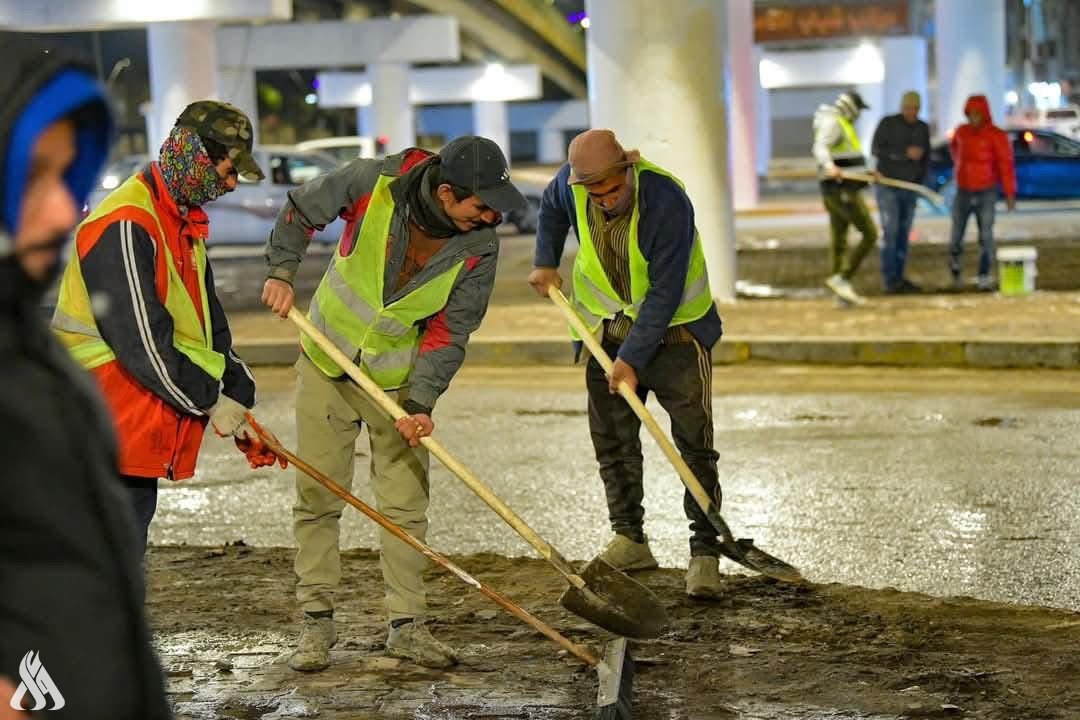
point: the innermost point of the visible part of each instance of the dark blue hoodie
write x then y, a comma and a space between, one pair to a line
71, 594
40, 87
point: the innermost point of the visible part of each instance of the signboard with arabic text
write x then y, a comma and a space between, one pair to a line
814, 22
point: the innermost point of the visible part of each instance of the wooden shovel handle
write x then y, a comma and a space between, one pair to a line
685, 473
444, 456
509, 605
893, 182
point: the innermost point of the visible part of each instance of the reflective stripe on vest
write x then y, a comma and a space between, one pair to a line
348, 305
593, 295
847, 151
74, 323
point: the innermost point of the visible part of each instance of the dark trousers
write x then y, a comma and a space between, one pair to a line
897, 208
981, 203
680, 375
143, 495
846, 208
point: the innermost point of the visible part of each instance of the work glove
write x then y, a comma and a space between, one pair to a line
258, 454
228, 417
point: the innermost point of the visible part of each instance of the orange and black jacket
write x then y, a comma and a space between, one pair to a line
159, 397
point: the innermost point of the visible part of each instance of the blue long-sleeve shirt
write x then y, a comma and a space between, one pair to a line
665, 238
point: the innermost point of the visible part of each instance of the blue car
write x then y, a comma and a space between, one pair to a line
1047, 166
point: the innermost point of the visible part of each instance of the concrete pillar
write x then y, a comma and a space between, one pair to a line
236, 85
743, 110
969, 52
763, 122
183, 68
906, 68
678, 75
551, 150
390, 114
880, 106
490, 120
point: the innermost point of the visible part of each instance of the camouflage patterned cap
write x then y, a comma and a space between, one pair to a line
228, 125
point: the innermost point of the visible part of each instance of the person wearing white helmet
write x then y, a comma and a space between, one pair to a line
838, 150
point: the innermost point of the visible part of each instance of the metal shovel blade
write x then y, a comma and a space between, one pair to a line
615, 602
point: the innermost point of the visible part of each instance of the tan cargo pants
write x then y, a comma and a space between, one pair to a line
328, 420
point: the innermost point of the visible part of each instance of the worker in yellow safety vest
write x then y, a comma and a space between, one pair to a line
409, 282
639, 278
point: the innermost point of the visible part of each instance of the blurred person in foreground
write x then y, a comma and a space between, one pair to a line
74, 642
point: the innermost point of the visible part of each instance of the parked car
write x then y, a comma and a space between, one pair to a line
1047, 166
343, 149
245, 216
525, 219
1063, 120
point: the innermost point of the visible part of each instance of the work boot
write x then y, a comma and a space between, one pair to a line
414, 642
909, 288
840, 285
703, 577
317, 636
622, 553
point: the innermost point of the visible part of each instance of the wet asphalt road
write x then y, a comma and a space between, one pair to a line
942, 481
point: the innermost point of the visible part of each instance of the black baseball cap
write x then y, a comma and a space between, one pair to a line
477, 164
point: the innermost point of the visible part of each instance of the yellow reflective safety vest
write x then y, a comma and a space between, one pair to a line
349, 309
73, 321
847, 152
593, 295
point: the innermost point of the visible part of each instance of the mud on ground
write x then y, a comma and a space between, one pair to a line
225, 617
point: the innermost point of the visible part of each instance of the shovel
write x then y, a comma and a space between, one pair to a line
935, 198
615, 671
742, 551
601, 594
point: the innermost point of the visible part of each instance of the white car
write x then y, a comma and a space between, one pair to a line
1062, 120
245, 216
343, 149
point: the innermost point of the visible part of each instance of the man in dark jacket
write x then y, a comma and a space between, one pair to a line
73, 639
982, 167
640, 276
901, 145
408, 283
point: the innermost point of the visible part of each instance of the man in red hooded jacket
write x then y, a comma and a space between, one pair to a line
982, 161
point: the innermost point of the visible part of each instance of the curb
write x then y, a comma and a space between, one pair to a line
958, 353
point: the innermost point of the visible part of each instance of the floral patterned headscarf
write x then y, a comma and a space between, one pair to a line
188, 171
